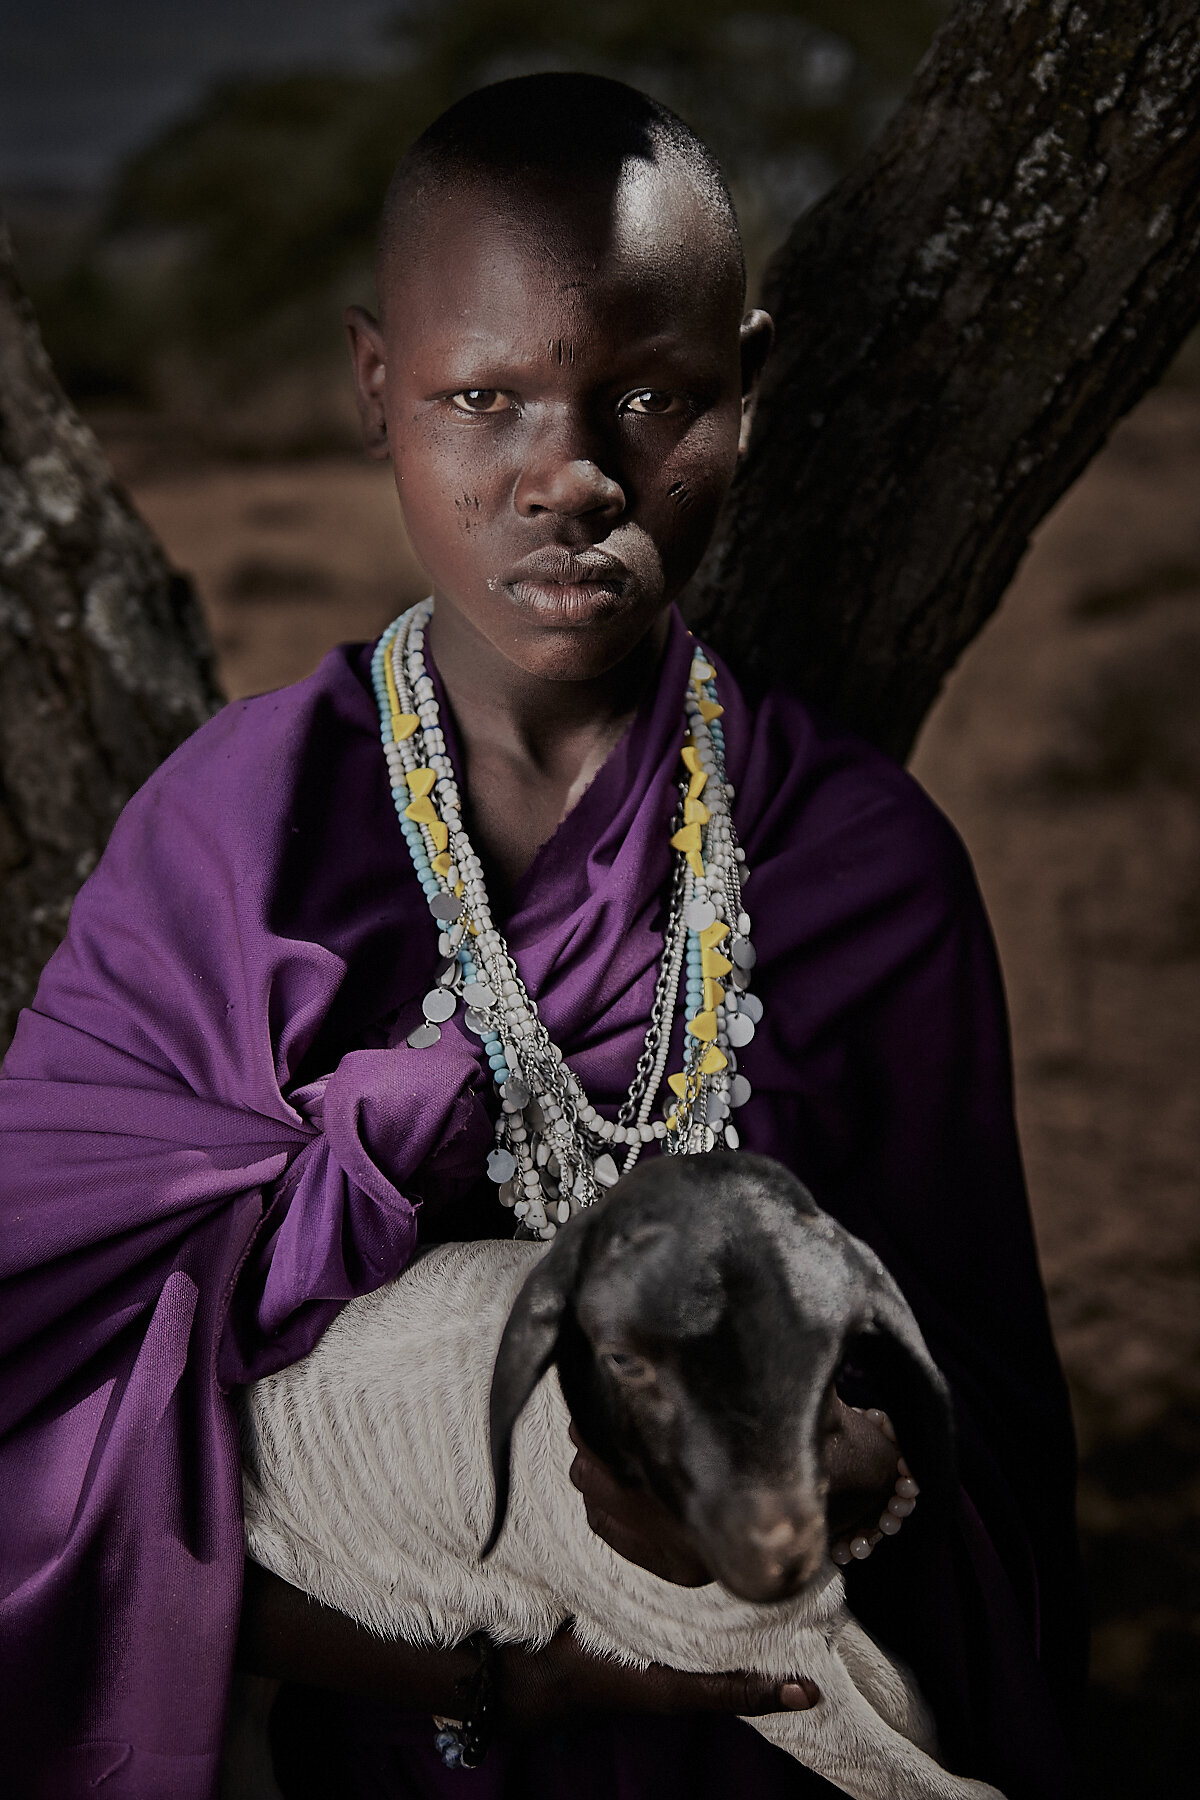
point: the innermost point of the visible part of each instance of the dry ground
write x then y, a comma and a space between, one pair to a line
1067, 751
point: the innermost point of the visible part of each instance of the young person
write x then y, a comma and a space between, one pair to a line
226, 1114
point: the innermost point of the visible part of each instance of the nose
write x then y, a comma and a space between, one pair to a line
767, 1546
561, 477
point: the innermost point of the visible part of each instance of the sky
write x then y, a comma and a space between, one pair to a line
82, 82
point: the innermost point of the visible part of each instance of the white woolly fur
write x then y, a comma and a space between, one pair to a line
367, 1484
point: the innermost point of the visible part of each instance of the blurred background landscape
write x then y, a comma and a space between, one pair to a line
192, 187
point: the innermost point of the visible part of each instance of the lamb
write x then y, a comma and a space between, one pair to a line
696, 1320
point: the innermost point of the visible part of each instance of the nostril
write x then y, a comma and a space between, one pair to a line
781, 1536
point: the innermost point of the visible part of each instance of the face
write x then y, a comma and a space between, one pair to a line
705, 1381
558, 380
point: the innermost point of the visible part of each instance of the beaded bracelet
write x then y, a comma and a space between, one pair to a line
901, 1504
462, 1743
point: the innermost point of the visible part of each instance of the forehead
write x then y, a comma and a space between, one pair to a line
485, 260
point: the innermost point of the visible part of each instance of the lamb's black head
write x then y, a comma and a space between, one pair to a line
698, 1318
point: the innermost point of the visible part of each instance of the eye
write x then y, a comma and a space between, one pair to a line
627, 1367
481, 400
652, 401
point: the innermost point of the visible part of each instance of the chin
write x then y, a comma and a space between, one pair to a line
574, 635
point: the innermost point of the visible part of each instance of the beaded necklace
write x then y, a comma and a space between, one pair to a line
554, 1151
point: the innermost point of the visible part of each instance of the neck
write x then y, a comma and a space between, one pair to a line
530, 745
549, 725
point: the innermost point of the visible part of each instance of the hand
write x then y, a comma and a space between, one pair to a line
861, 1463
288, 1637
539, 1688
634, 1523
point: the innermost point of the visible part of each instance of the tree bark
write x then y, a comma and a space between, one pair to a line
105, 665
960, 324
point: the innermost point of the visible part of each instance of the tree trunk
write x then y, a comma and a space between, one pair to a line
104, 662
960, 324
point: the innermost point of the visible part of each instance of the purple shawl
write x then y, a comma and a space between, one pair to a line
215, 1135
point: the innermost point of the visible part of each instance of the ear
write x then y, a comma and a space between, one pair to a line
527, 1348
898, 1366
757, 336
370, 375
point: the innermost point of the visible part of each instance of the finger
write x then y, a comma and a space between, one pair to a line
741, 1692
594, 1470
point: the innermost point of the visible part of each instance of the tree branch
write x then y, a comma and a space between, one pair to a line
960, 324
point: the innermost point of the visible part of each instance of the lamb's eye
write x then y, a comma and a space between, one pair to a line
650, 400
481, 400
628, 1367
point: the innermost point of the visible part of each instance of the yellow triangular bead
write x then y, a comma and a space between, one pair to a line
695, 812
440, 834
697, 785
704, 1026
712, 934
420, 781
713, 1060
677, 1084
403, 725
691, 759
714, 964
687, 839
709, 710
441, 863
423, 811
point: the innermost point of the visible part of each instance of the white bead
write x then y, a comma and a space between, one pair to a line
841, 1554
906, 1488
860, 1548
889, 1524
900, 1507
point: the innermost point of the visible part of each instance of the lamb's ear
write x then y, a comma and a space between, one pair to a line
894, 1356
527, 1349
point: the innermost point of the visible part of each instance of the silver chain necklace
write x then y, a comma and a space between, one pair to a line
554, 1150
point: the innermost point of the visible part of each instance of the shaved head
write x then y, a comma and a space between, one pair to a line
563, 134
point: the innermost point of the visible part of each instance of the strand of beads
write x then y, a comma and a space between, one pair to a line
720, 1012
553, 1150
552, 1153
901, 1504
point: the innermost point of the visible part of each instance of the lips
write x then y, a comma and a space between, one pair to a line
568, 584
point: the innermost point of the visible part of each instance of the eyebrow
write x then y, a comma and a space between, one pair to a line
475, 363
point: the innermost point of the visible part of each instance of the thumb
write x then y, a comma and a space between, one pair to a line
753, 1695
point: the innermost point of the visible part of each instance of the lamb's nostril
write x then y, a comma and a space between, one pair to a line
779, 1537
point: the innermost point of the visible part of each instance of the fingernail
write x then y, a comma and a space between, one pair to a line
797, 1696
